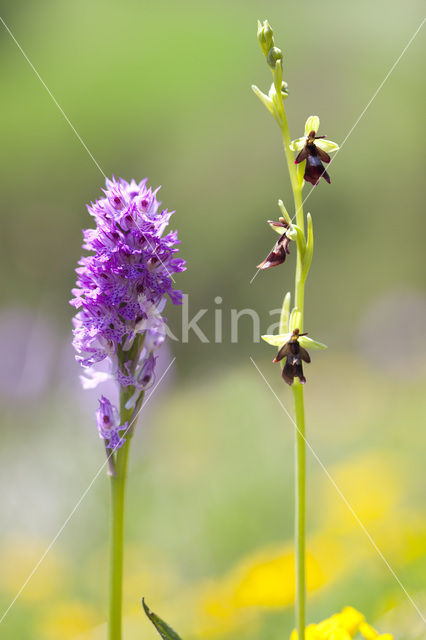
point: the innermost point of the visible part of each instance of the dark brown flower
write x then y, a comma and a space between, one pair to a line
314, 156
294, 355
281, 248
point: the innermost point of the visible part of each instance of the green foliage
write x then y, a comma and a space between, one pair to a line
166, 632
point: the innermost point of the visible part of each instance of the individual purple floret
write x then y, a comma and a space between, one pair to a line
108, 423
121, 292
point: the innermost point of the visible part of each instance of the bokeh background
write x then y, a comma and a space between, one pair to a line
162, 89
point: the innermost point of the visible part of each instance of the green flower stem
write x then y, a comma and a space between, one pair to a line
300, 466
118, 486
118, 489
297, 190
300, 509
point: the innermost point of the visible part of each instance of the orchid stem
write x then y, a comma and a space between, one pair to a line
118, 490
299, 409
118, 485
297, 191
300, 509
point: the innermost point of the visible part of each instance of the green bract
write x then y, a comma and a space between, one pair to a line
267, 101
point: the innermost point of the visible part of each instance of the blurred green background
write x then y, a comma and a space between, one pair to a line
162, 89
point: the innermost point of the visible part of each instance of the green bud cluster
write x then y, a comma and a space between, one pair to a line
273, 101
265, 36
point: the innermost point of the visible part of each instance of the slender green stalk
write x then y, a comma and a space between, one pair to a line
118, 491
297, 191
300, 509
300, 448
118, 487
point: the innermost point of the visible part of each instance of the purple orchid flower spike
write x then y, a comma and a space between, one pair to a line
120, 295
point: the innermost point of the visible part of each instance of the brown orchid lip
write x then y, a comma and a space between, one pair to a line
294, 355
314, 157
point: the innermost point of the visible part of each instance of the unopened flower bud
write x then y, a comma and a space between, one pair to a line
273, 56
265, 36
284, 89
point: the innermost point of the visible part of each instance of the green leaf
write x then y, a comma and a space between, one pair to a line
166, 632
285, 313
307, 258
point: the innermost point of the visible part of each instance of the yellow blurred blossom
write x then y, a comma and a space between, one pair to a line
268, 578
367, 631
264, 578
20, 555
66, 620
370, 485
342, 626
146, 570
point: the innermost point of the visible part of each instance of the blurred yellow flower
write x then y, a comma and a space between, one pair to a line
342, 626
67, 619
264, 578
370, 485
375, 489
20, 555
146, 570
267, 579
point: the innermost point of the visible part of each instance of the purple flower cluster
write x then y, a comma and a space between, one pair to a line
121, 292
